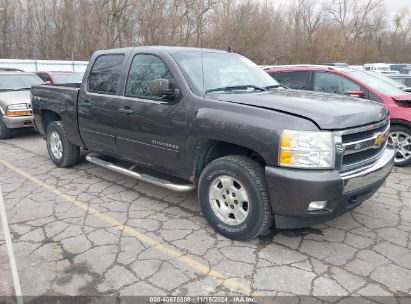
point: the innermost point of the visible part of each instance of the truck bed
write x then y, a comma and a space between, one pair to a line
60, 99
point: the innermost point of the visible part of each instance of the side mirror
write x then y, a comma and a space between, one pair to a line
358, 94
162, 88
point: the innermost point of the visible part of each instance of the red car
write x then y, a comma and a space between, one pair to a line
60, 77
356, 83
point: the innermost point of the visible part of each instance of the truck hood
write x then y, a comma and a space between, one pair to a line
328, 111
13, 97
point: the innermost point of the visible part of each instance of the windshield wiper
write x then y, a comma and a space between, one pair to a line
237, 87
21, 89
276, 86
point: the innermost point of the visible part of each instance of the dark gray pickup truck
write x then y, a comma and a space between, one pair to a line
184, 117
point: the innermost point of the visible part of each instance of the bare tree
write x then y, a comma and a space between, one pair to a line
297, 31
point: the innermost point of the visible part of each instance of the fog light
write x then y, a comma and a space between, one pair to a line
316, 206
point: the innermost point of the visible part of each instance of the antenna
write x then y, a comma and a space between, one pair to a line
202, 69
202, 62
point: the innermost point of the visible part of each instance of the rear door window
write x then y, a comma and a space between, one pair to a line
295, 80
105, 74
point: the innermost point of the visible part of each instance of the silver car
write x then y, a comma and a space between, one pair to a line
15, 103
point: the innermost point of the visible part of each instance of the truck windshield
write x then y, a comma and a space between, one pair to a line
395, 83
377, 84
17, 82
212, 72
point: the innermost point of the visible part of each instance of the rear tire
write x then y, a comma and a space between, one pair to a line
400, 138
63, 153
5, 133
234, 197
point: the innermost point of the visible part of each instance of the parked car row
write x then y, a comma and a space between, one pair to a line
60, 77
385, 68
403, 79
401, 68
382, 68
15, 102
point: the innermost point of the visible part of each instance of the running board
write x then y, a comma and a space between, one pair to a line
93, 158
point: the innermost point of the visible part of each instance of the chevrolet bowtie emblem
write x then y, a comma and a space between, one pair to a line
379, 140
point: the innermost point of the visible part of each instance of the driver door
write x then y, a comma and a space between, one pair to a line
334, 83
151, 131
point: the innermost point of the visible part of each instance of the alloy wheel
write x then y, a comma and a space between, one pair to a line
401, 141
56, 146
229, 200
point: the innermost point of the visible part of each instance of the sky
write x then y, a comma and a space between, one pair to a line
394, 5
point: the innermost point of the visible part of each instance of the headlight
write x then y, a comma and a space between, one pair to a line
307, 149
19, 109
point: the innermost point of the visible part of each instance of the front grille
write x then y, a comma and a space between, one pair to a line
354, 158
363, 145
347, 138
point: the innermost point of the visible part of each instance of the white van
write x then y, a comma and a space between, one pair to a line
383, 68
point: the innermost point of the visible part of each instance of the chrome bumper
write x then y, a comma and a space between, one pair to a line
18, 121
363, 177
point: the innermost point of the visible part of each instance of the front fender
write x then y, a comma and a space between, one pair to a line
254, 128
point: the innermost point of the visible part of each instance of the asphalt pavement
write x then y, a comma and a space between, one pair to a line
88, 231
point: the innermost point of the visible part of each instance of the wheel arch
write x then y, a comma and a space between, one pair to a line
48, 116
400, 122
208, 150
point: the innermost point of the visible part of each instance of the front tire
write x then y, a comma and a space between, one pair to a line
62, 152
400, 138
5, 133
234, 197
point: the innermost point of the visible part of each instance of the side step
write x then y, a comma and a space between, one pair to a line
94, 158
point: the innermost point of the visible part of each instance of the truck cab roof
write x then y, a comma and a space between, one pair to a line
168, 49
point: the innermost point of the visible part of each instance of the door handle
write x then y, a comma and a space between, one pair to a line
85, 103
126, 111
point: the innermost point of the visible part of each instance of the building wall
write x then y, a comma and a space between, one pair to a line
31, 65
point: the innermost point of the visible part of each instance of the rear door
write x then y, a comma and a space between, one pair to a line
97, 108
329, 82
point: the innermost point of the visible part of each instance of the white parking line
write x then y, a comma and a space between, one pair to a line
9, 245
